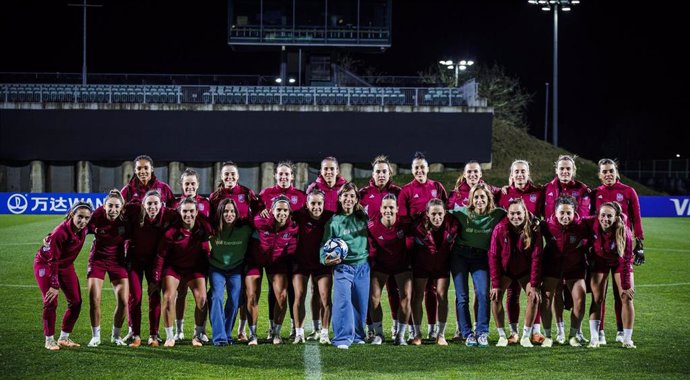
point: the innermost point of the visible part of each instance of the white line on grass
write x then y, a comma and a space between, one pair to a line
312, 354
668, 249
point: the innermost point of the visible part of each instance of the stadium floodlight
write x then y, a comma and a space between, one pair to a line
291, 80
279, 80
457, 66
556, 6
84, 6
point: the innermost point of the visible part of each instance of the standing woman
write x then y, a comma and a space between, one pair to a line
144, 180
389, 253
351, 275
329, 182
226, 266
108, 256
371, 197
612, 190
183, 257
148, 221
277, 242
190, 186
412, 202
612, 252
312, 222
564, 260
520, 186
54, 270
434, 236
470, 258
515, 255
471, 175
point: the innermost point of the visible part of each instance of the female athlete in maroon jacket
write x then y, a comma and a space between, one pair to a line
329, 182
144, 180
54, 270
515, 256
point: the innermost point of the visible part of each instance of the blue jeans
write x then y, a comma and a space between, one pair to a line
474, 262
350, 302
223, 319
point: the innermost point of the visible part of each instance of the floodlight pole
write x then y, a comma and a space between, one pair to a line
84, 5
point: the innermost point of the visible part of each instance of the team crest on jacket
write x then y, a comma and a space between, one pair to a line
401, 234
42, 272
201, 206
240, 198
550, 194
619, 197
574, 194
286, 235
533, 198
372, 196
434, 193
293, 199
573, 239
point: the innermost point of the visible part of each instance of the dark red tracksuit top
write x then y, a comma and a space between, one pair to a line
414, 196
461, 196
531, 195
185, 251
202, 204
575, 189
566, 247
431, 249
275, 245
389, 247
330, 201
604, 247
370, 197
627, 198
296, 197
508, 256
109, 238
144, 239
245, 199
307, 253
134, 190
63, 248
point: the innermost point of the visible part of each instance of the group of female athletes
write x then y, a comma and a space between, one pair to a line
554, 242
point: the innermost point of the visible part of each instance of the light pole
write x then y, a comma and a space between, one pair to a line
555, 6
83, 64
458, 66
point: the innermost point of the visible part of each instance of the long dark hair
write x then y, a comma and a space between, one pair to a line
220, 222
142, 213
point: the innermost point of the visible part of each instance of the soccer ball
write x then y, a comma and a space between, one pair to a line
334, 248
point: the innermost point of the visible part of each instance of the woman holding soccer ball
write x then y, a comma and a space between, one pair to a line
54, 270
351, 273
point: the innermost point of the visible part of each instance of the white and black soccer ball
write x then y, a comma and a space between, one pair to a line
334, 248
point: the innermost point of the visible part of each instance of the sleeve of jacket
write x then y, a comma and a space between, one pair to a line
635, 216
55, 253
163, 247
327, 234
626, 261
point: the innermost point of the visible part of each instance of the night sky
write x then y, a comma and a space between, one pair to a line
623, 80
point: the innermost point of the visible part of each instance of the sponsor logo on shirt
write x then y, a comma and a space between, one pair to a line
372, 196
286, 235
380, 237
416, 196
574, 194
550, 194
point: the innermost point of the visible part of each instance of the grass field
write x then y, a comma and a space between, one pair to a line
662, 303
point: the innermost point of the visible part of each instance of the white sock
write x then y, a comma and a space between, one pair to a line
547, 333
432, 328
526, 331
536, 328
378, 328
96, 331
502, 332
441, 328
395, 324
513, 328
594, 331
169, 334
401, 330
64, 335
317, 324
116, 332
252, 330
299, 331
198, 330
49, 339
573, 331
324, 332
560, 328
276, 329
417, 330
180, 325
242, 326
627, 335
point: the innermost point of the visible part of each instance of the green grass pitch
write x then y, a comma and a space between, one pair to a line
662, 303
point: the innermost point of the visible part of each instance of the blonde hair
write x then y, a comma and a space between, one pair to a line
512, 167
619, 226
526, 230
489, 195
569, 158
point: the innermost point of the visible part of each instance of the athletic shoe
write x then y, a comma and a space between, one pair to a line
629, 344
560, 338
203, 338
253, 341
154, 341
417, 341
293, 333
537, 338
370, 336
400, 341
394, 331
196, 342
502, 342
343, 347
169, 343
136, 341
52, 345
619, 337
324, 339
68, 343
94, 342
128, 337
242, 337
277, 340
298, 339
179, 336
471, 340
378, 339
457, 337
548, 342
483, 340
593, 344
313, 336
526, 342
441, 341
220, 344
433, 334
269, 336
116, 340
581, 338
574, 342
514, 338
602, 338
360, 342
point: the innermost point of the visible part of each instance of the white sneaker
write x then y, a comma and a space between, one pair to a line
526, 342
433, 333
594, 344
298, 339
277, 339
548, 342
619, 337
313, 336
343, 347
394, 331
293, 333
560, 338
94, 342
378, 339
602, 338
52, 345
324, 339
370, 336
574, 342
502, 342
400, 341
178, 337
581, 338
253, 341
483, 340
116, 340
629, 344
202, 337
270, 334
128, 337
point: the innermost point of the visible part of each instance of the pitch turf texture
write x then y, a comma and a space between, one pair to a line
662, 304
